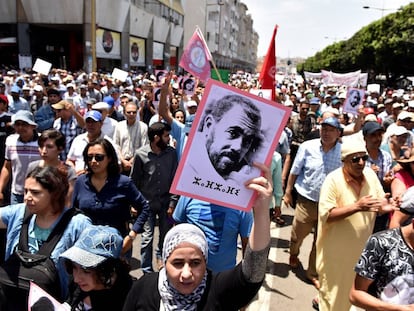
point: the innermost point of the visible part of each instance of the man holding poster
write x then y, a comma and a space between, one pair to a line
231, 130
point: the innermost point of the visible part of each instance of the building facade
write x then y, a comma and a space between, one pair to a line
127, 34
228, 31
75, 34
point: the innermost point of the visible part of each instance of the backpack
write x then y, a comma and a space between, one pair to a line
22, 266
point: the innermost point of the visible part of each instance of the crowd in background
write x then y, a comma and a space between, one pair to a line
93, 124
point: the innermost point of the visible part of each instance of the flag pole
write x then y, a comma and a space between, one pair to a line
211, 56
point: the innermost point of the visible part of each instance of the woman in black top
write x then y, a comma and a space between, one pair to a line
186, 284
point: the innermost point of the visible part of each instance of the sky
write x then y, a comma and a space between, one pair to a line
308, 26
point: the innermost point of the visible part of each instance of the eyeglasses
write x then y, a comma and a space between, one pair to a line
357, 159
130, 112
98, 157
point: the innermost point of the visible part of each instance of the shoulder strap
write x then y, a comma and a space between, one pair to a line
54, 236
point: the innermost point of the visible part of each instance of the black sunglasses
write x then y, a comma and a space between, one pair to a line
98, 157
357, 159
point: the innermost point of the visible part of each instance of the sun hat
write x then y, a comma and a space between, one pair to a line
351, 146
25, 116
95, 245
406, 159
59, 105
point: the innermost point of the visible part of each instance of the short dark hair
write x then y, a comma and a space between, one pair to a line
113, 168
59, 138
157, 129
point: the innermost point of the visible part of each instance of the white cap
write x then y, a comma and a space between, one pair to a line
100, 106
38, 88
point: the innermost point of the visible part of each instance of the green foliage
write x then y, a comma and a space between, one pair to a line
385, 47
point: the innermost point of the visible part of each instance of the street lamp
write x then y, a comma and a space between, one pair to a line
380, 9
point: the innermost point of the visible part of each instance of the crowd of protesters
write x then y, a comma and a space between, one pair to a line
120, 143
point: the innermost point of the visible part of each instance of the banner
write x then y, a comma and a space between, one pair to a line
267, 75
196, 57
350, 79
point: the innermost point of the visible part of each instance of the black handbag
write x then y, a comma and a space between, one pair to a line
22, 266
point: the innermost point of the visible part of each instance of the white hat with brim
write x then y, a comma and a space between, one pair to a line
25, 116
351, 146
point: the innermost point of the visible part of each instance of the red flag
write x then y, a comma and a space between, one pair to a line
196, 57
267, 75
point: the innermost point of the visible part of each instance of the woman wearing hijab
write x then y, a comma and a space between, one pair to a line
185, 283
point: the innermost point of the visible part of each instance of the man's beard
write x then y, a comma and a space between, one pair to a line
162, 145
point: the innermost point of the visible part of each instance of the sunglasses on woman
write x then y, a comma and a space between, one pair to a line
98, 157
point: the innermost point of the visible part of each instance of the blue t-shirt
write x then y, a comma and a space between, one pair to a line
178, 133
12, 216
221, 225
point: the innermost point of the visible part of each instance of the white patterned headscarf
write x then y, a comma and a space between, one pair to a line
184, 233
172, 299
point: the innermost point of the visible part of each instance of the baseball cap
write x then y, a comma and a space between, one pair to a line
191, 103
38, 88
332, 121
397, 130
109, 100
314, 101
371, 127
405, 115
100, 106
95, 245
4, 99
25, 116
94, 115
15, 89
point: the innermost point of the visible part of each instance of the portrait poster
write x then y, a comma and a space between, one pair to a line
231, 130
156, 97
136, 51
188, 85
354, 98
39, 299
108, 44
160, 75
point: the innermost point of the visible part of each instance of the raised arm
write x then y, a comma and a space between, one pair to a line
163, 109
254, 263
